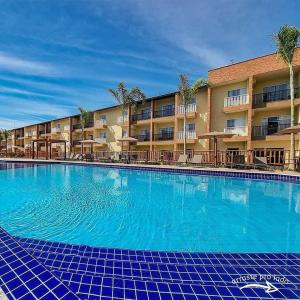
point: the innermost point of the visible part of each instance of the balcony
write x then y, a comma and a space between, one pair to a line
100, 140
66, 128
141, 117
261, 100
30, 133
55, 130
167, 136
101, 124
76, 143
122, 119
261, 131
89, 125
190, 110
164, 113
236, 103
190, 135
239, 130
142, 137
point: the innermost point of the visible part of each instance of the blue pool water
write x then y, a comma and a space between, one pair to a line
149, 210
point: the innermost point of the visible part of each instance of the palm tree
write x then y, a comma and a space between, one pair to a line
5, 136
128, 99
85, 118
286, 41
1, 137
187, 93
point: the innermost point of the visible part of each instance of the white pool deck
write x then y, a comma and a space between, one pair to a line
145, 166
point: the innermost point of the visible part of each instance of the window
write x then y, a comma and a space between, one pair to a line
145, 113
276, 92
102, 135
167, 130
237, 92
276, 88
193, 100
168, 107
103, 118
124, 133
232, 123
145, 132
190, 127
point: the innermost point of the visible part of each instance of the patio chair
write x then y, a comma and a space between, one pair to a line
182, 159
197, 160
88, 157
239, 162
115, 157
261, 163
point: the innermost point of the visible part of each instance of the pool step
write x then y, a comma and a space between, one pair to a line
93, 287
213, 274
232, 259
21, 275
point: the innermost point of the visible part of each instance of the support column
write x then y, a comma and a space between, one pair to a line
250, 117
209, 100
152, 125
177, 103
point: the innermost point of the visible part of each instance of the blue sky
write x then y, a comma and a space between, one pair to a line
60, 54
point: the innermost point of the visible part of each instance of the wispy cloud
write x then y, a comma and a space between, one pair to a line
16, 64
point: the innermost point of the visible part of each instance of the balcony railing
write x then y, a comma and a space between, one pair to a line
141, 117
190, 135
164, 113
143, 137
239, 130
122, 119
163, 136
100, 140
76, 142
189, 109
55, 129
88, 125
101, 122
236, 100
260, 131
261, 99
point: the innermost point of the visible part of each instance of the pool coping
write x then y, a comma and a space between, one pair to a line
285, 176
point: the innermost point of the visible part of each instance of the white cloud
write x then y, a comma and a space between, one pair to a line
16, 64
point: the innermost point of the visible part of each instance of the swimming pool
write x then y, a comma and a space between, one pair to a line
138, 209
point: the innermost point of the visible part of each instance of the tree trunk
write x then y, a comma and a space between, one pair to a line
184, 131
6, 150
82, 134
292, 95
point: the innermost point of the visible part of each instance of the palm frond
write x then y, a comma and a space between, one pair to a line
286, 41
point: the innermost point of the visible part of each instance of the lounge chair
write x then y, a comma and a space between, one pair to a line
182, 159
261, 163
239, 162
197, 160
71, 157
88, 157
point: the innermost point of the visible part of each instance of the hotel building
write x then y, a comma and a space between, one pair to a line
249, 99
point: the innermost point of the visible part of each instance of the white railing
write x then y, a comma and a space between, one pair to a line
100, 140
100, 122
190, 108
55, 129
236, 100
189, 135
30, 133
239, 130
27, 145
122, 119
66, 128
